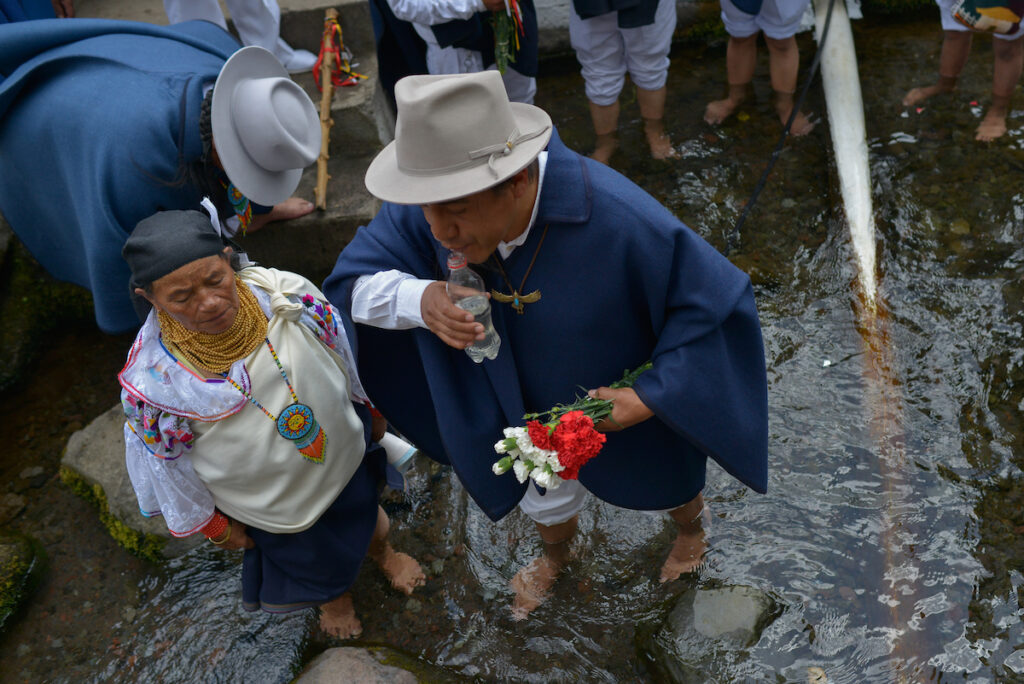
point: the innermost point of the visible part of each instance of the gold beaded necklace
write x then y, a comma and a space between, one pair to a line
217, 352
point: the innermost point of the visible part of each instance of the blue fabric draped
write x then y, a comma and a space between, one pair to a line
99, 118
24, 10
622, 281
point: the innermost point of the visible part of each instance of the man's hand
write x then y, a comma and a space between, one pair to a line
238, 539
627, 410
452, 325
495, 5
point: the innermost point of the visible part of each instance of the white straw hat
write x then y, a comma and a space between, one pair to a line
265, 127
455, 135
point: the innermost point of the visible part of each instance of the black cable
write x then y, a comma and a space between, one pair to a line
734, 236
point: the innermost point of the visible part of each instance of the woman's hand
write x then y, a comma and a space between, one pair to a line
454, 326
627, 409
237, 539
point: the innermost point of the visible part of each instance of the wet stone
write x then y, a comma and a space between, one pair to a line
20, 561
11, 506
360, 666
704, 624
35, 476
960, 227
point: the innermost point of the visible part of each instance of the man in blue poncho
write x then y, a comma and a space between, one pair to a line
615, 280
103, 123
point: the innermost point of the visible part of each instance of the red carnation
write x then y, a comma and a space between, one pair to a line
576, 442
540, 435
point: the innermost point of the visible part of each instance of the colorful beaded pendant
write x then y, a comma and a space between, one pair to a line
297, 424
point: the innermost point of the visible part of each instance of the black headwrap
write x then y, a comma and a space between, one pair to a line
164, 242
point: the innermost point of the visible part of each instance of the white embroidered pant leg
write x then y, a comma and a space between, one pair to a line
556, 506
647, 48
601, 54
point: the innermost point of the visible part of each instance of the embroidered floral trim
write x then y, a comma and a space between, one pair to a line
165, 435
326, 320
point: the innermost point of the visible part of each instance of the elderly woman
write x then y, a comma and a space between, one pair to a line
246, 422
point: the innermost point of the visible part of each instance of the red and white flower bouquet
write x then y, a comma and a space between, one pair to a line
555, 444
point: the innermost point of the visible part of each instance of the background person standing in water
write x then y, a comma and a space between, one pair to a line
1008, 57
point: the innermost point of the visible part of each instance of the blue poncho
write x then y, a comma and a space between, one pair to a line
97, 120
622, 281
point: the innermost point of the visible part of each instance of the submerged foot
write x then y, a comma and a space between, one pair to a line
338, 618
687, 552
401, 569
802, 124
918, 95
532, 585
720, 110
604, 148
991, 127
660, 143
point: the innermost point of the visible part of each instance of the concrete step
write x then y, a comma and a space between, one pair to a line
310, 245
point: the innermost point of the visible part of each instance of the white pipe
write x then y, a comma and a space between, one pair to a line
849, 141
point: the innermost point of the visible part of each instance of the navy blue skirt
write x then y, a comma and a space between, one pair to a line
286, 572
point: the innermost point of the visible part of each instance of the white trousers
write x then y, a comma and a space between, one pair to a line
779, 19
606, 52
258, 22
455, 60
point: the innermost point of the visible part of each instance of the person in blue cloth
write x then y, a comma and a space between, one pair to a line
25, 10
107, 122
616, 281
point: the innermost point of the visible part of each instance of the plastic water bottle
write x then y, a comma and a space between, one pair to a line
399, 452
466, 290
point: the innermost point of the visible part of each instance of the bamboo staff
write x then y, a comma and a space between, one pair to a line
326, 95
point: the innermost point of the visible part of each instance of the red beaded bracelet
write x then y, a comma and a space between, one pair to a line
215, 528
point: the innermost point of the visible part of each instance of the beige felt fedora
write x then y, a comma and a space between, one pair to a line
455, 135
265, 127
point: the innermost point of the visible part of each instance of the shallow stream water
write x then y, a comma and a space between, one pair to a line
892, 531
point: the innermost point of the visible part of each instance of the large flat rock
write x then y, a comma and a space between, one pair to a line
95, 454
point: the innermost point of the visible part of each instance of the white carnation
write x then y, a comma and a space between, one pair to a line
521, 470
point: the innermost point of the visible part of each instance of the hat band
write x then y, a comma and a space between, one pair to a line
493, 152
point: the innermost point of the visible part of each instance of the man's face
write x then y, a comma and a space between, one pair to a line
473, 225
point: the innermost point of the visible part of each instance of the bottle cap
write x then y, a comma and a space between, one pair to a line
456, 260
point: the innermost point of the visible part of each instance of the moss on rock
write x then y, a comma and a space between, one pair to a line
146, 546
32, 303
21, 562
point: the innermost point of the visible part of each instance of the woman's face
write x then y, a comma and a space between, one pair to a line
200, 295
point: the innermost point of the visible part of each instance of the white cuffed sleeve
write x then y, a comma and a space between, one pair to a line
389, 299
164, 486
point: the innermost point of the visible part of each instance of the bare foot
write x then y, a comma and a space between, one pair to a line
720, 110
802, 125
687, 553
661, 145
291, 208
338, 618
919, 95
532, 585
401, 569
604, 147
991, 127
